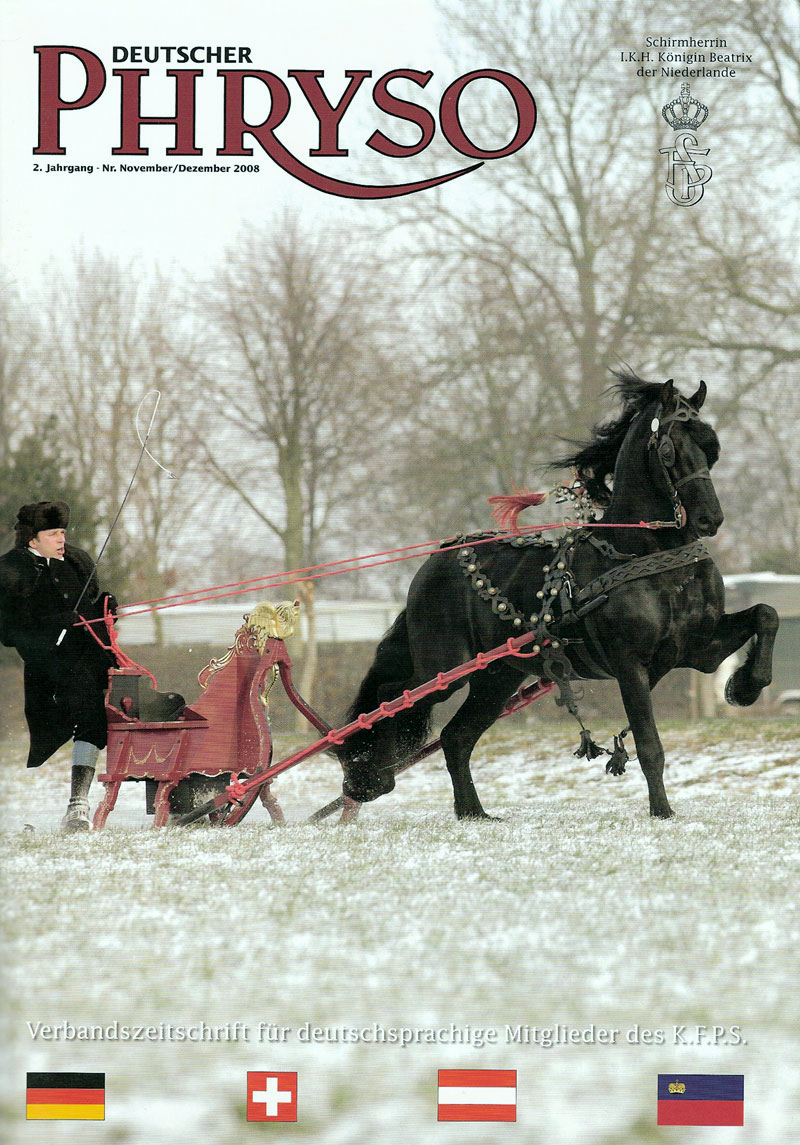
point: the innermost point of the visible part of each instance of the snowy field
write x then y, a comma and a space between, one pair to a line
574, 910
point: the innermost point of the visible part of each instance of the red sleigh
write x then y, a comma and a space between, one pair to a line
224, 733
224, 738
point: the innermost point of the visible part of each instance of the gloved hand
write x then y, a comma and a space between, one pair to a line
112, 601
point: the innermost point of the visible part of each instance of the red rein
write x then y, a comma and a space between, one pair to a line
507, 509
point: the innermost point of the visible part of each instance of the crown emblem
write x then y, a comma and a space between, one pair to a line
677, 1086
685, 111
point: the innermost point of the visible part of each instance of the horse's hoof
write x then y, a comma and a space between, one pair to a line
667, 814
740, 690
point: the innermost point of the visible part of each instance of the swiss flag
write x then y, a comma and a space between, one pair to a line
271, 1096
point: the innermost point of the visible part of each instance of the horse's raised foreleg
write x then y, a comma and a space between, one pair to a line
483, 705
634, 685
732, 633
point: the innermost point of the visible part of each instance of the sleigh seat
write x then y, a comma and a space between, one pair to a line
189, 753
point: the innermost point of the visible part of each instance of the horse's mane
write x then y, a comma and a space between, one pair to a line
594, 460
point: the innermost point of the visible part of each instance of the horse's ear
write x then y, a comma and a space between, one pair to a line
667, 396
696, 400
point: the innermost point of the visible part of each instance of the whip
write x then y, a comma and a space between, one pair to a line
144, 450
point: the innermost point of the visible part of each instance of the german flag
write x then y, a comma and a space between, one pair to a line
66, 1097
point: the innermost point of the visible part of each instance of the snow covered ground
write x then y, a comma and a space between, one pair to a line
575, 910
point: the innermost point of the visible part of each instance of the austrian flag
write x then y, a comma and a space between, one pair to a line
477, 1095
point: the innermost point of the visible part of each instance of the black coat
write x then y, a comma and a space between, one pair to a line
64, 682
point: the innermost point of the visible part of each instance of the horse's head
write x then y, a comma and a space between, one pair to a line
681, 448
659, 451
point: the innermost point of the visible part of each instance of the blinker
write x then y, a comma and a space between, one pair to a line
666, 450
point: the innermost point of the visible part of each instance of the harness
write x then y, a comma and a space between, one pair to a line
661, 440
563, 603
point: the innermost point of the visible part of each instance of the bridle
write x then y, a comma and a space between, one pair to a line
661, 441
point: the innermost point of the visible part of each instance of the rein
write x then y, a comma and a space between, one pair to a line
505, 511
527, 534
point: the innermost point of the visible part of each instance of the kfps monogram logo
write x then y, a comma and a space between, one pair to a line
685, 177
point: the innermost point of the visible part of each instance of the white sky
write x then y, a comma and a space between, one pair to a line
188, 219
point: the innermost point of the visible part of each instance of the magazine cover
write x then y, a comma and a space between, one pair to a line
289, 293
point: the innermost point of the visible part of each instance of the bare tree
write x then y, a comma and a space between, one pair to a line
740, 303
744, 283
573, 229
110, 336
306, 378
308, 384
773, 28
478, 414
574, 259
551, 276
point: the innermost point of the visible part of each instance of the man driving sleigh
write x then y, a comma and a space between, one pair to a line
46, 586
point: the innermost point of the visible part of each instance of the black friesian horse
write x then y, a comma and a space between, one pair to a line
664, 610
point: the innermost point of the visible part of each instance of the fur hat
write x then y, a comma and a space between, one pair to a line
40, 515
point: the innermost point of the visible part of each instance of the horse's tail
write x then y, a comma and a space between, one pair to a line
395, 738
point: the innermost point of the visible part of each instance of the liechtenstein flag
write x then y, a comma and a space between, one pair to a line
701, 1099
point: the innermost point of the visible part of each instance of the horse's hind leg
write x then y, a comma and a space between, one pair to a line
733, 630
483, 705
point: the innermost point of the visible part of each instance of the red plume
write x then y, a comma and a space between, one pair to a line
508, 506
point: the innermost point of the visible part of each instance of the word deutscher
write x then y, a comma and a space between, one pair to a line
182, 55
